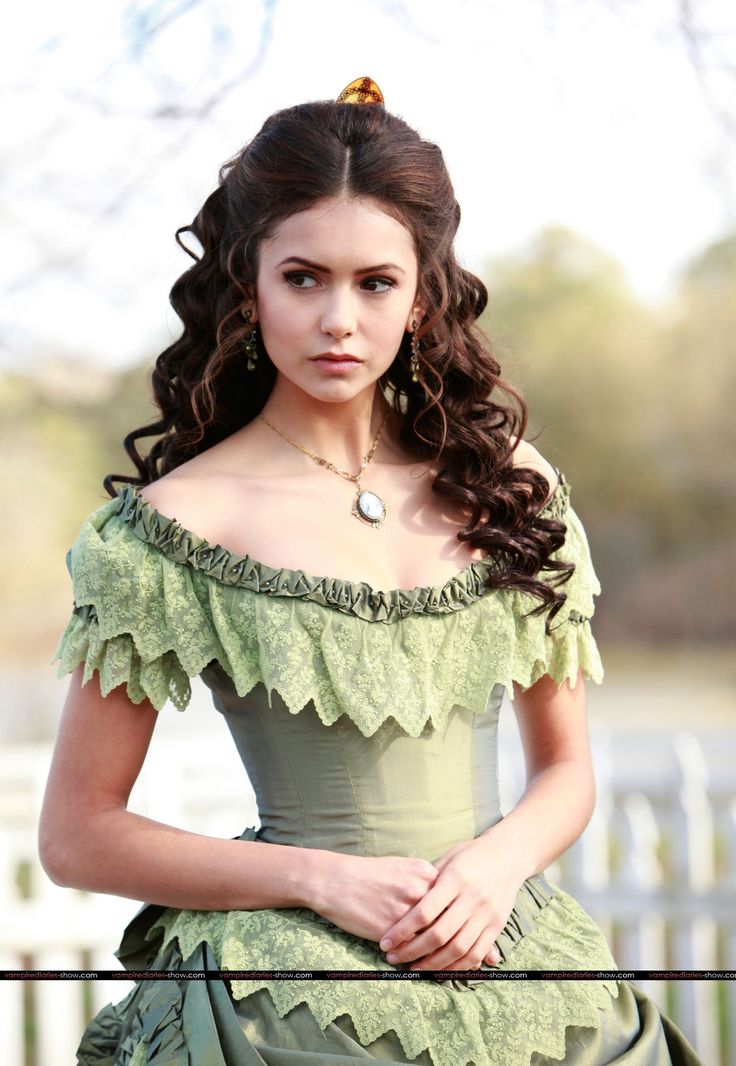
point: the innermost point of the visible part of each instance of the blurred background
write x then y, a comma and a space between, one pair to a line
592, 145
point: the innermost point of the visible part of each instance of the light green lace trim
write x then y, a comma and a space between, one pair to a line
152, 611
488, 1023
139, 1055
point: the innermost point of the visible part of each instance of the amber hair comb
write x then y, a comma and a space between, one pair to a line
361, 91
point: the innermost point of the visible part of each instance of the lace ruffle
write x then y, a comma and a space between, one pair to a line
155, 605
488, 1023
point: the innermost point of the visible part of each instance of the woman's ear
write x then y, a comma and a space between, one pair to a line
417, 315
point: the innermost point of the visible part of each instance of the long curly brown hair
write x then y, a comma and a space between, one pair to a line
301, 155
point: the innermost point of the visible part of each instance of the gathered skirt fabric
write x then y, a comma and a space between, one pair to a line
186, 1021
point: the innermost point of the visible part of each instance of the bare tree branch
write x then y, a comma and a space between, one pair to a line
62, 260
694, 38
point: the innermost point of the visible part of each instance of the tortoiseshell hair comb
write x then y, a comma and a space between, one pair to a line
361, 91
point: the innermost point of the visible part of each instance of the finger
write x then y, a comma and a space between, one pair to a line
469, 961
420, 917
462, 952
487, 946
434, 937
414, 923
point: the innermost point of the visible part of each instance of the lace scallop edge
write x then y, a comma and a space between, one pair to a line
117, 660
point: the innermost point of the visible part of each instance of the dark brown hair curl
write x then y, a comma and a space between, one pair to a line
302, 155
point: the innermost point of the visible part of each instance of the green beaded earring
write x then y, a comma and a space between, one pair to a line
249, 346
414, 365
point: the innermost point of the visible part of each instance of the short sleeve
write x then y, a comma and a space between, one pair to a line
571, 645
136, 615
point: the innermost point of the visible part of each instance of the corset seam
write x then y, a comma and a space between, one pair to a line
498, 708
294, 776
346, 763
474, 799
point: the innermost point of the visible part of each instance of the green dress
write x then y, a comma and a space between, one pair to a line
395, 697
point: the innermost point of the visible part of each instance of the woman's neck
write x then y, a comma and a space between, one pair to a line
341, 432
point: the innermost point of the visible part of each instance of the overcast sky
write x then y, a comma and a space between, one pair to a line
588, 114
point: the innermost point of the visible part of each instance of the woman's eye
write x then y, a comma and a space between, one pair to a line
297, 280
300, 280
386, 282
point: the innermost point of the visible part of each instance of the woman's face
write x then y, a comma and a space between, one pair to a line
337, 279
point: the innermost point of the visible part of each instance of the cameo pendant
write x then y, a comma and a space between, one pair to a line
370, 507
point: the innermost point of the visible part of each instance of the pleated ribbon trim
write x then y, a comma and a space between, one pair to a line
463, 1020
351, 597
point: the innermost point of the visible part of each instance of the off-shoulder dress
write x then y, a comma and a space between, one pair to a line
395, 696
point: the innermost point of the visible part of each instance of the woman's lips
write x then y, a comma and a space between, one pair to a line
337, 355
336, 363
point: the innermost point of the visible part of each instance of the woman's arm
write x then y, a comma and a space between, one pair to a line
89, 840
560, 795
558, 801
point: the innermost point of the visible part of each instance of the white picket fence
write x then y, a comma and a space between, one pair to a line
656, 867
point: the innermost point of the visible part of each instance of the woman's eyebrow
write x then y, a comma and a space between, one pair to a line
326, 270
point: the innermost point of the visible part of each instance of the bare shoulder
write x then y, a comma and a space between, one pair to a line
169, 490
527, 455
189, 497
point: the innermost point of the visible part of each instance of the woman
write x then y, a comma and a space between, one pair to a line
331, 409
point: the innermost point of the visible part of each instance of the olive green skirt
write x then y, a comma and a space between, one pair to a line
193, 1021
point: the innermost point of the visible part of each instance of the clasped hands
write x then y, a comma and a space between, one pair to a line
454, 925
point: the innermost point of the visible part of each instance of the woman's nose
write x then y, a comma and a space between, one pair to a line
338, 316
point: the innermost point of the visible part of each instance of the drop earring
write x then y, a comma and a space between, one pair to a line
414, 364
249, 345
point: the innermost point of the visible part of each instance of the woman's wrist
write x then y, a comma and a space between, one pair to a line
504, 838
314, 873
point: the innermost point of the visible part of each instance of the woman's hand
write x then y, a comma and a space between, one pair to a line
364, 895
456, 922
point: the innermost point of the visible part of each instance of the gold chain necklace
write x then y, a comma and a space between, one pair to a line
367, 506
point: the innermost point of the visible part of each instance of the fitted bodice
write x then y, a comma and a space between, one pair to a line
386, 794
366, 721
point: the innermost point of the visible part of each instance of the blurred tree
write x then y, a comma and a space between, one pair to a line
58, 440
701, 356
579, 343
635, 406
